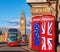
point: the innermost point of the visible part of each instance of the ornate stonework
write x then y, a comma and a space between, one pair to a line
42, 8
35, 1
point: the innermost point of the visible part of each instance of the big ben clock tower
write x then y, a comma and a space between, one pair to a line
23, 24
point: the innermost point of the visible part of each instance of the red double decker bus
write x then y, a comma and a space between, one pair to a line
12, 37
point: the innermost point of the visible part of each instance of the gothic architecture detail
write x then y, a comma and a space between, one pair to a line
6, 35
35, 1
41, 7
23, 24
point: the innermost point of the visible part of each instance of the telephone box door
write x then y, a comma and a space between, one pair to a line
47, 34
36, 32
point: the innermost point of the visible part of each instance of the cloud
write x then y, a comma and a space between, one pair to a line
15, 26
28, 22
28, 27
13, 21
18, 27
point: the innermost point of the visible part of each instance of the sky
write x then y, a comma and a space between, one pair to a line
10, 12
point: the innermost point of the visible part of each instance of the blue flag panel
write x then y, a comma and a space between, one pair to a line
36, 34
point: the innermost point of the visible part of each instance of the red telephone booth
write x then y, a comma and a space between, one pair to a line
36, 32
47, 33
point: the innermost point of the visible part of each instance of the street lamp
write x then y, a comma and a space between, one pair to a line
57, 24
56, 9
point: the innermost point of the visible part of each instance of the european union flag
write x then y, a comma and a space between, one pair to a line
36, 34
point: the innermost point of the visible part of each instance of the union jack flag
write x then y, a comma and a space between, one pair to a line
49, 42
46, 40
44, 43
43, 27
49, 28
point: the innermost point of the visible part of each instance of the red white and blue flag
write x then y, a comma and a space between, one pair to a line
46, 41
47, 36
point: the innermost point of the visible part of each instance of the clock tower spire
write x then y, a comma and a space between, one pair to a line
23, 15
23, 24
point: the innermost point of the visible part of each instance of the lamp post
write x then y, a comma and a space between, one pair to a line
56, 9
56, 22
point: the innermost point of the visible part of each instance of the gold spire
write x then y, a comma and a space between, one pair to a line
23, 14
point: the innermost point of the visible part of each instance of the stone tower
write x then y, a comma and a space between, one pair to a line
6, 35
23, 24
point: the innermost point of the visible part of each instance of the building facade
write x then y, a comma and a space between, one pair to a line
6, 35
42, 7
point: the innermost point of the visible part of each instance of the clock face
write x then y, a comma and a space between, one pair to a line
36, 34
22, 21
